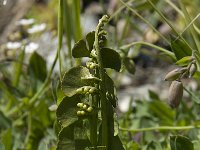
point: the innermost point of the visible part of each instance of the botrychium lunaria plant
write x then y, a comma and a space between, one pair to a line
86, 110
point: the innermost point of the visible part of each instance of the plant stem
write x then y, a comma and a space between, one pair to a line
68, 30
192, 30
151, 45
18, 67
168, 22
102, 89
60, 33
160, 128
93, 122
29, 129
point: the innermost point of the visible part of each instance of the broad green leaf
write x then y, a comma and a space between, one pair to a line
74, 79
59, 94
111, 59
67, 110
37, 66
178, 142
66, 139
180, 48
163, 112
129, 64
7, 139
80, 136
80, 50
90, 37
184, 61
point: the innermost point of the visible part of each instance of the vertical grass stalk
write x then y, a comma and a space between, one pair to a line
60, 33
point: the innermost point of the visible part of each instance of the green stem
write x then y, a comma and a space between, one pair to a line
60, 33
68, 30
93, 122
168, 22
160, 128
18, 68
77, 24
94, 118
102, 88
192, 30
29, 129
151, 45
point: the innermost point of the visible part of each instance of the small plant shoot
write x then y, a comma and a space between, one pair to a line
87, 109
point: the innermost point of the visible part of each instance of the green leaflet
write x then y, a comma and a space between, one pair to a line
80, 50
66, 138
180, 48
37, 66
67, 110
111, 59
184, 61
178, 142
74, 79
72, 138
83, 47
90, 40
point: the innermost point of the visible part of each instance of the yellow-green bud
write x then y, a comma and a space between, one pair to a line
86, 89
84, 106
80, 105
79, 90
91, 90
175, 94
82, 112
78, 113
89, 109
92, 66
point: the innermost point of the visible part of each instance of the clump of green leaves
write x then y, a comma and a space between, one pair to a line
87, 98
